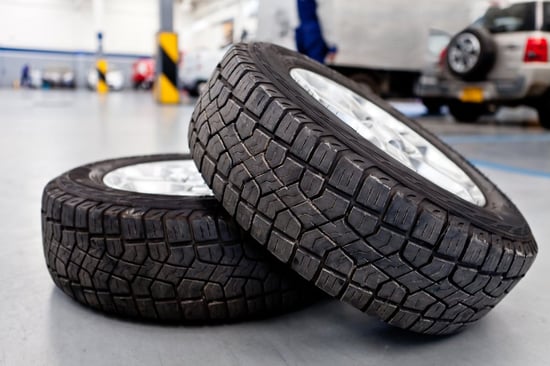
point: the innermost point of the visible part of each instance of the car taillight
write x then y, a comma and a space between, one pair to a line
442, 57
536, 50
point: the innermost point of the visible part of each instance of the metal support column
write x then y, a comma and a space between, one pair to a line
167, 57
101, 64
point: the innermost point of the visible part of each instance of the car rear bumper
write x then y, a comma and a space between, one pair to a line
489, 91
533, 80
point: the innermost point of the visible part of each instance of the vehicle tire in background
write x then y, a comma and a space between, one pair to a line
158, 256
433, 106
467, 112
543, 109
471, 54
341, 207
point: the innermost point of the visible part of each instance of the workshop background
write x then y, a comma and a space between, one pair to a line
80, 81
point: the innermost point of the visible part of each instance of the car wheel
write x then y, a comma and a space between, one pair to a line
143, 237
543, 109
467, 112
471, 54
354, 196
433, 106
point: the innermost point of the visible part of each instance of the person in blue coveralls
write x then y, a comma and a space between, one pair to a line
26, 76
309, 36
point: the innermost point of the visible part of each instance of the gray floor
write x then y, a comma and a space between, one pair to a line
43, 134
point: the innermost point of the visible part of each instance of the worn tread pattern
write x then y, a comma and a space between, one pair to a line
339, 220
115, 252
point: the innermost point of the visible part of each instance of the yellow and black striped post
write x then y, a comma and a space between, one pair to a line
102, 67
166, 83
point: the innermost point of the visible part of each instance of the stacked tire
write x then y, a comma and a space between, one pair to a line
339, 207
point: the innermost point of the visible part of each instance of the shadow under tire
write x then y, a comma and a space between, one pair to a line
342, 213
167, 258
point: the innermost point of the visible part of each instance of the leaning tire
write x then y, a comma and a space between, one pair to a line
157, 257
343, 213
471, 54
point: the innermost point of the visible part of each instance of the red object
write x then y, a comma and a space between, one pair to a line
143, 70
536, 50
442, 57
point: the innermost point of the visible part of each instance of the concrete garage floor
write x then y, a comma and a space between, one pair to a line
43, 134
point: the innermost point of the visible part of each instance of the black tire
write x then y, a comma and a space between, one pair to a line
543, 109
343, 214
485, 61
157, 257
467, 112
433, 105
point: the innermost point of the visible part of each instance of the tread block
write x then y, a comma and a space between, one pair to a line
325, 154
204, 227
402, 210
305, 142
275, 154
339, 232
289, 172
361, 252
419, 301
281, 247
438, 269
363, 222
416, 255
257, 143
347, 173
311, 184
369, 276
357, 296
291, 195
268, 182
288, 127
455, 238
316, 242
429, 224
305, 265
239, 176
331, 204
415, 281
375, 191
386, 241
244, 215
260, 229
308, 215
273, 114
287, 222
330, 282
476, 249
245, 125
258, 100
338, 261
270, 205
392, 291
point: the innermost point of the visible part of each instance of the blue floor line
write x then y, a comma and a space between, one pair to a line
474, 139
510, 169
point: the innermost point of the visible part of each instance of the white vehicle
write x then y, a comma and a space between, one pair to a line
379, 43
502, 59
114, 78
197, 67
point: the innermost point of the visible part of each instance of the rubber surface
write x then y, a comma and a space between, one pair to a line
487, 56
158, 257
343, 214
